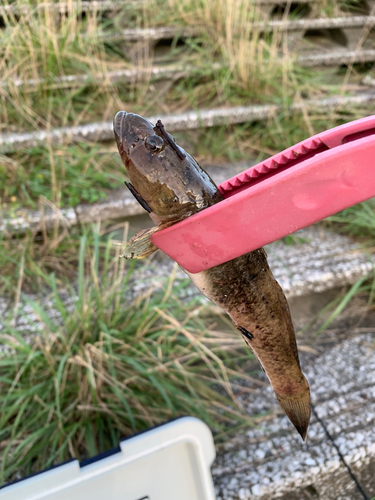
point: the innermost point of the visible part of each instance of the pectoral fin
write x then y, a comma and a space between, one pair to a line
140, 246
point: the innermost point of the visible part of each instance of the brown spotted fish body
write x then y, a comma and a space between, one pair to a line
171, 186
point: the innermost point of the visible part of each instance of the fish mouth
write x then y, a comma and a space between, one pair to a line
118, 127
129, 130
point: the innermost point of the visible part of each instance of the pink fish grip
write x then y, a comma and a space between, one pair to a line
302, 185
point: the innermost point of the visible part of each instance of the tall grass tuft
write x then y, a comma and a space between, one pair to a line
357, 221
252, 62
95, 368
39, 44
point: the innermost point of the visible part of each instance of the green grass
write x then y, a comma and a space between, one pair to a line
339, 304
330, 317
357, 221
38, 45
335, 8
25, 259
250, 69
84, 173
102, 368
260, 140
65, 175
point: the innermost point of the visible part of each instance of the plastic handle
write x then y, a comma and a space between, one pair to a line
291, 199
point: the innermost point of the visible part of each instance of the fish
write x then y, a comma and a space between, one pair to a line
171, 186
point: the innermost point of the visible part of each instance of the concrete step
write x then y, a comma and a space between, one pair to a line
311, 272
204, 118
351, 31
65, 7
270, 461
279, 25
125, 75
119, 204
312, 57
110, 6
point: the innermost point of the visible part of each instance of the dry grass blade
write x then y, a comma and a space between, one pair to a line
84, 377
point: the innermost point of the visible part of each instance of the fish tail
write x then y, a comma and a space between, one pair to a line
297, 409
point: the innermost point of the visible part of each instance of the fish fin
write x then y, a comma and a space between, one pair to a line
140, 246
297, 409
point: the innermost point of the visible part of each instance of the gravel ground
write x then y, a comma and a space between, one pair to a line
271, 461
321, 261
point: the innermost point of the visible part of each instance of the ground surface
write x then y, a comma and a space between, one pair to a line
271, 462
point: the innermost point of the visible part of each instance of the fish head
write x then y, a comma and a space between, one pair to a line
163, 175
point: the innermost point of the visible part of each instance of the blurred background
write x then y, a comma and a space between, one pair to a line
95, 348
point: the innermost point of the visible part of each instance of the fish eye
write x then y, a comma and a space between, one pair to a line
154, 143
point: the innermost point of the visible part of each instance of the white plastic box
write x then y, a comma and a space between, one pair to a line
169, 462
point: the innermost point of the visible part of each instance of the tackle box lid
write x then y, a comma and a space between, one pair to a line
168, 462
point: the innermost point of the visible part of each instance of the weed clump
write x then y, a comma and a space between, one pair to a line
91, 368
